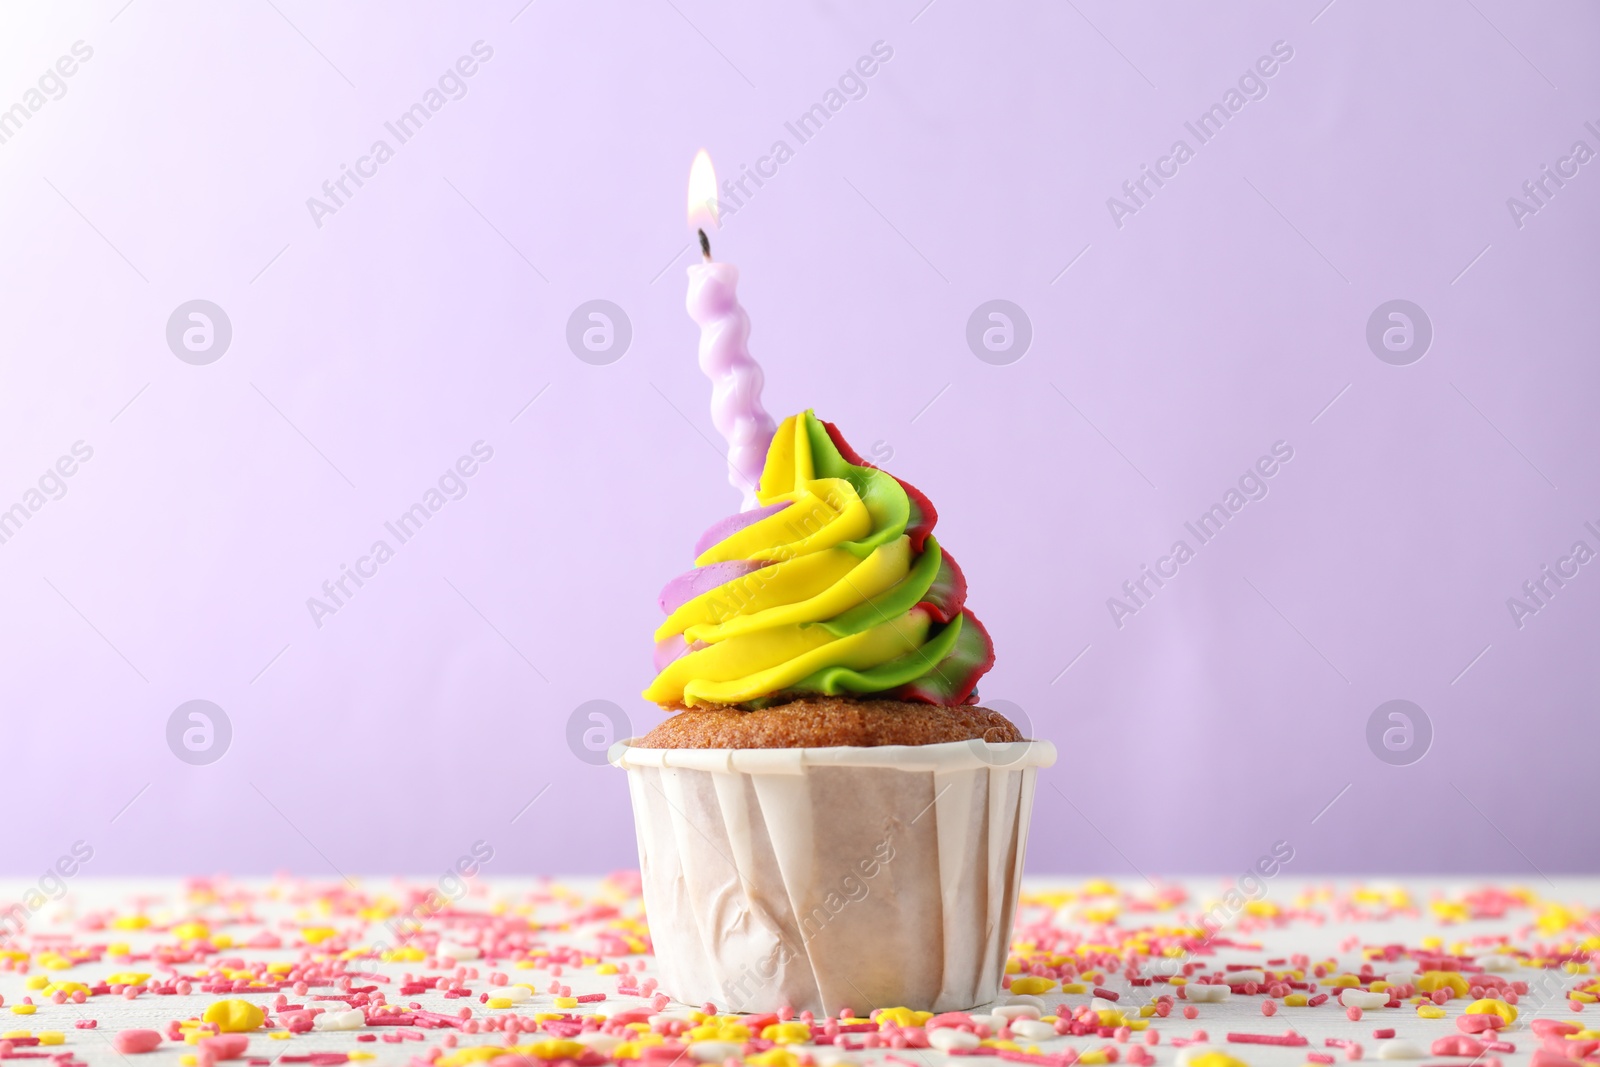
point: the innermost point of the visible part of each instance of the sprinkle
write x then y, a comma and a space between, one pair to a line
1289, 1039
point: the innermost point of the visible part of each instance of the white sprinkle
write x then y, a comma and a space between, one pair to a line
1400, 1050
1207, 994
946, 1038
1018, 1011
1356, 998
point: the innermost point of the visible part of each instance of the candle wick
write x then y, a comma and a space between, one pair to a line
705, 245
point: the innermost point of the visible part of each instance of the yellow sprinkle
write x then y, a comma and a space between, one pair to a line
191, 931
1032, 985
1435, 980
11, 1035
22, 1009
606, 968
234, 1016
774, 1057
1295, 1000
1343, 981
566, 1002
36, 981
52, 1037
188, 1059
362, 1054
1430, 1011
279, 1035
499, 1002
792, 1033
554, 1049
1215, 1059
1493, 1007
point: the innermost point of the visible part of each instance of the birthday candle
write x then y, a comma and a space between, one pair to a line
736, 378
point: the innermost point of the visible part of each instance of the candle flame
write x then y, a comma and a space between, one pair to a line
702, 193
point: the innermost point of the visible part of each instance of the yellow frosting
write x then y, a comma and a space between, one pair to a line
841, 543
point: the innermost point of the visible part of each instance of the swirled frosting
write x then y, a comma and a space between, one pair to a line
835, 585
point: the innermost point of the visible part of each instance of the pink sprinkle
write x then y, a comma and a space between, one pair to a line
1190, 1011
1318, 1057
1269, 1007
1384, 1034
1106, 994
86, 1024
1353, 1014
1290, 1039
132, 1041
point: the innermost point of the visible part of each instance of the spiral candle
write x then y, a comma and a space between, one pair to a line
736, 378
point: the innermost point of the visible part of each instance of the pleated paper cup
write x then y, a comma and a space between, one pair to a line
826, 878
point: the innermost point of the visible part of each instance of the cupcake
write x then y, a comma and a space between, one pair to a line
827, 818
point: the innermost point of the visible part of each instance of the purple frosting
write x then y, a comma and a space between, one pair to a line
685, 587
671, 648
731, 525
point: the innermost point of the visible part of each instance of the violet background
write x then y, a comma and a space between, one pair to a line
425, 315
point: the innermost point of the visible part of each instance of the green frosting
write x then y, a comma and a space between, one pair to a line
885, 676
886, 501
893, 602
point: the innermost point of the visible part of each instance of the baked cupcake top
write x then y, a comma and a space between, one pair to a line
827, 722
834, 586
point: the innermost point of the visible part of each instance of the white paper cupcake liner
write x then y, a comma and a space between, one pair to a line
825, 878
